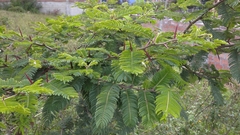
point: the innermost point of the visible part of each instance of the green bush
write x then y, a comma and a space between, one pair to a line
4, 21
27, 5
16, 9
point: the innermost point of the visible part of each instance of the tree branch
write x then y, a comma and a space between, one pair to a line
200, 17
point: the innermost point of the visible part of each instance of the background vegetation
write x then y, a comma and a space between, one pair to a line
205, 111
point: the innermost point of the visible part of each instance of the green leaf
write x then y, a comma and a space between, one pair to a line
35, 88
120, 12
62, 77
216, 92
109, 24
129, 107
198, 60
10, 104
52, 106
167, 102
146, 107
35, 63
162, 77
138, 30
61, 89
28, 70
131, 61
234, 63
106, 105
10, 83
118, 74
97, 14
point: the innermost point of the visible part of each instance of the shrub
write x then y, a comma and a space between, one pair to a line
4, 21
27, 5
16, 9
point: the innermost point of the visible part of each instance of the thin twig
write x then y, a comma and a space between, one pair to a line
163, 43
200, 17
44, 45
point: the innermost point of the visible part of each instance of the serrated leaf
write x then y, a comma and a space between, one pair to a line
131, 61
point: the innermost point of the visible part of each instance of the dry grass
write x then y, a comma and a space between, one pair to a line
24, 21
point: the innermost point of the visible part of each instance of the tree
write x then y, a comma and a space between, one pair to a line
122, 73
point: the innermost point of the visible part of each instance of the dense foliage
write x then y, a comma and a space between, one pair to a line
24, 5
121, 73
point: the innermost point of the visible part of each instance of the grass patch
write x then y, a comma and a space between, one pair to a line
24, 21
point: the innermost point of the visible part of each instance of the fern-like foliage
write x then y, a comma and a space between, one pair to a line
12, 83
52, 106
62, 77
131, 61
61, 89
162, 77
129, 107
234, 63
35, 88
146, 107
167, 102
216, 92
130, 10
198, 60
109, 24
10, 104
106, 105
28, 70
118, 74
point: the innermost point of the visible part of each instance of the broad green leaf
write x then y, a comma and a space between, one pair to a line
131, 61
